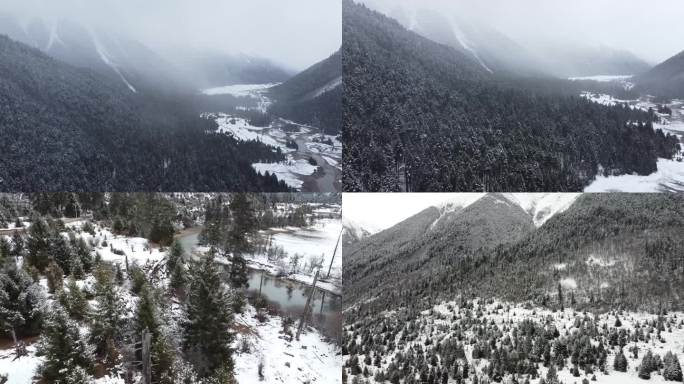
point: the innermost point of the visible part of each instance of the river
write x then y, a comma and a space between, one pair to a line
284, 296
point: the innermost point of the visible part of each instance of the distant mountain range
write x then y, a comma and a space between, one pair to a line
608, 249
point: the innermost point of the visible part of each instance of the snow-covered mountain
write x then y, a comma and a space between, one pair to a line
540, 206
543, 206
136, 65
497, 52
354, 231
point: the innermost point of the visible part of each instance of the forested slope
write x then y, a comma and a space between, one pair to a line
314, 96
606, 250
421, 116
65, 128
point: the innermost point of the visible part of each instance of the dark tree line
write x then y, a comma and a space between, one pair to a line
70, 129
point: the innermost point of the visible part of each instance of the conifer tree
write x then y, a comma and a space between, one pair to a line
672, 370
17, 246
38, 246
108, 317
147, 317
74, 301
207, 337
55, 277
620, 363
21, 300
646, 366
5, 250
179, 276
174, 257
64, 349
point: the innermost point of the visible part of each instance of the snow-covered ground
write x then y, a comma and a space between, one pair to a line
602, 78
239, 90
449, 322
310, 359
241, 129
296, 167
256, 92
288, 171
670, 174
669, 177
19, 370
325, 149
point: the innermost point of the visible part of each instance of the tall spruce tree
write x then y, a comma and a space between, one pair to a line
620, 362
207, 336
38, 245
64, 349
108, 318
148, 317
243, 226
21, 301
174, 256
672, 370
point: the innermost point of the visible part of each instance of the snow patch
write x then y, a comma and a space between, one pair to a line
288, 170
101, 50
568, 283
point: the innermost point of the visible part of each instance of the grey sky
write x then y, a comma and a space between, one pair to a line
297, 33
652, 29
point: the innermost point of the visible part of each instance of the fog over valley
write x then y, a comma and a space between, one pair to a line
648, 31
278, 31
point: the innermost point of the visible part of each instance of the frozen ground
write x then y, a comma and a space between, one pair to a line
285, 360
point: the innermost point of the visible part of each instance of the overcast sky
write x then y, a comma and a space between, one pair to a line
378, 211
297, 33
652, 29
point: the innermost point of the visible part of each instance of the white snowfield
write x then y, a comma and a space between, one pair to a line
239, 90
288, 170
241, 129
602, 78
669, 177
328, 87
543, 206
309, 360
